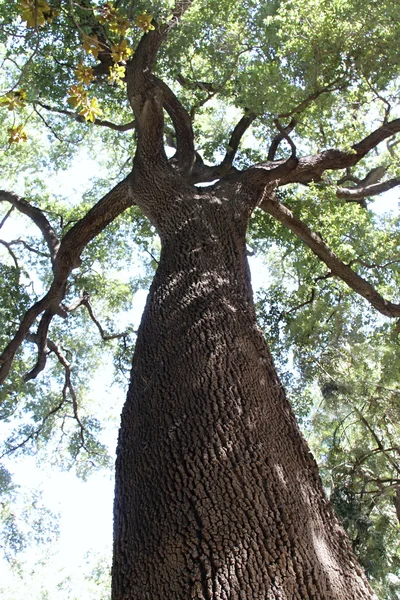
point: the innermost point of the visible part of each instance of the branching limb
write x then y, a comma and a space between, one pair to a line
202, 172
279, 138
105, 336
85, 301
311, 168
358, 193
37, 216
67, 258
28, 247
337, 267
35, 434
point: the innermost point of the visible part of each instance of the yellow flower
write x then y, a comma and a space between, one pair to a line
144, 22
121, 52
17, 134
90, 110
117, 73
77, 95
84, 74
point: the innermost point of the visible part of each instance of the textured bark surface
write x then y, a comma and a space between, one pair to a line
217, 494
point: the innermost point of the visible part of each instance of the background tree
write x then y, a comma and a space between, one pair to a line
286, 82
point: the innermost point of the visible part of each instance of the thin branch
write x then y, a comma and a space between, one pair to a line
35, 433
77, 117
11, 253
105, 336
330, 87
85, 301
8, 214
333, 262
29, 247
37, 216
196, 85
373, 265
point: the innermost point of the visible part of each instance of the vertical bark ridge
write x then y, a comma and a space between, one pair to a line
217, 495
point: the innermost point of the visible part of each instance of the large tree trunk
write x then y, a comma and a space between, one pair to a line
217, 494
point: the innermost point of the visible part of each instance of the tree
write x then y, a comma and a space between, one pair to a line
217, 493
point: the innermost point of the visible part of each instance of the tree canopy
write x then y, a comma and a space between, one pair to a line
306, 90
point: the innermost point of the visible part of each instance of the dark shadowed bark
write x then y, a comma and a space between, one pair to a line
217, 494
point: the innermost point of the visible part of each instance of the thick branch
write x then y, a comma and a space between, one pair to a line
37, 216
337, 267
185, 153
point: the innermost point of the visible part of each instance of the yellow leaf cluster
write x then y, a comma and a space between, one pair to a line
17, 134
109, 16
117, 73
144, 22
91, 45
121, 52
77, 95
84, 74
90, 110
14, 100
36, 13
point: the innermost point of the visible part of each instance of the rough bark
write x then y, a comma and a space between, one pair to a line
217, 494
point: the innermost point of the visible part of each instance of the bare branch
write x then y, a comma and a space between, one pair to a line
105, 336
337, 267
29, 247
196, 85
85, 301
357, 193
37, 216
37, 431
77, 117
